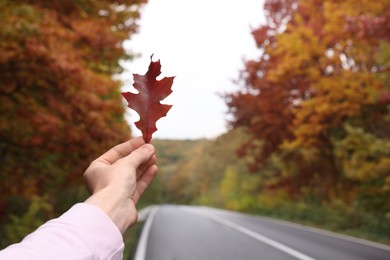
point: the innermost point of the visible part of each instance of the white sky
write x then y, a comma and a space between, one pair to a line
202, 43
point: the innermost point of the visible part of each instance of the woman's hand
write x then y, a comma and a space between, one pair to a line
117, 179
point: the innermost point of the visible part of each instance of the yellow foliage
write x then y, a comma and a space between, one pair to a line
292, 58
237, 190
339, 97
363, 156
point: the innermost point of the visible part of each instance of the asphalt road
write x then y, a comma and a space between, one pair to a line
186, 233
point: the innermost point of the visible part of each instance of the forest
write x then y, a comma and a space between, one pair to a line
309, 136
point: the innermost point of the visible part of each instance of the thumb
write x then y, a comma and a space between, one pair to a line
139, 156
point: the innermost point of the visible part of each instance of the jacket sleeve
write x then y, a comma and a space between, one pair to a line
83, 232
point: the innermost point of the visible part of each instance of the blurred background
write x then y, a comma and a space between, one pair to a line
280, 107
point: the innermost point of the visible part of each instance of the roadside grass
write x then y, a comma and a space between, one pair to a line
130, 238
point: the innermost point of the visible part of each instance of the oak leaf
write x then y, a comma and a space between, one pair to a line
147, 102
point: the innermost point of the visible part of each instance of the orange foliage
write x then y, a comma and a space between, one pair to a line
318, 70
60, 106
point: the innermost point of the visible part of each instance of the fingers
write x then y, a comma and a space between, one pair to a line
133, 158
144, 182
139, 156
120, 151
145, 166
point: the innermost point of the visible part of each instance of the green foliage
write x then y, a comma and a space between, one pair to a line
130, 239
363, 156
237, 191
383, 58
181, 168
203, 172
217, 168
177, 162
365, 159
19, 226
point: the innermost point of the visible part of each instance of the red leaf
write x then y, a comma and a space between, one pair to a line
147, 102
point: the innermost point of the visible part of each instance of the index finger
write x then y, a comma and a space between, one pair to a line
121, 150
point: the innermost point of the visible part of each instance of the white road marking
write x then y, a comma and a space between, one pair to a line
143, 240
320, 231
257, 236
144, 213
330, 234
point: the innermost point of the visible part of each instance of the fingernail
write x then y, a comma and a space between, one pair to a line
149, 147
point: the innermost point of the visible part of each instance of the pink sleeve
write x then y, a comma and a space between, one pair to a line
83, 232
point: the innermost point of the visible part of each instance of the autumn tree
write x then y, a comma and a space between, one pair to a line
320, 68
60, 106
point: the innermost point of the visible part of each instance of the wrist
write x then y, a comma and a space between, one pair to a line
120, 209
